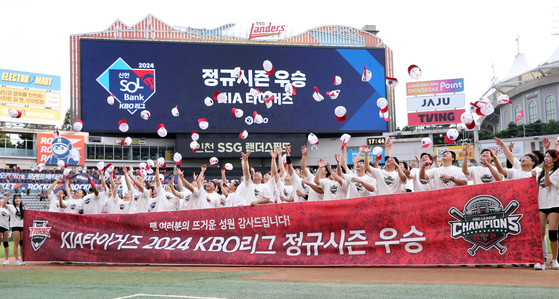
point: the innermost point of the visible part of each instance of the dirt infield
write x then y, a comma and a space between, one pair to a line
509, 276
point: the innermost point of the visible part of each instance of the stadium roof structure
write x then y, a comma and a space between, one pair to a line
521, 73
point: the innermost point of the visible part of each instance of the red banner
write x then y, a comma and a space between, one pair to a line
435, 117
495, 223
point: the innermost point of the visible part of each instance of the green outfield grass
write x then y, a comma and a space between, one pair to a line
116, 284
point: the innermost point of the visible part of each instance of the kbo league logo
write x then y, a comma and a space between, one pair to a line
39, 233
485, 223
130, 87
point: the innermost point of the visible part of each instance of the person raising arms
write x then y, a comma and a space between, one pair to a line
390, 180
446, 176
481, 174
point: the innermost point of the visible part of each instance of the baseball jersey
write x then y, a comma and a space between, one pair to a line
313, 196
419, 184
286, 191
513, 174
481, 175
73, 205
388, 182
152, 206
112, 204
435, 176
4, 218
15, 216
187, 202
356, 189
140, 201
332, 189
516, 165
548, 196
54, 205
210, 200
230, 200
273, 186
297, 184
166, 201
92, 204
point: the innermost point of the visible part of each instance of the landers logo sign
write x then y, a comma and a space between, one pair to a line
485, 223
263, 29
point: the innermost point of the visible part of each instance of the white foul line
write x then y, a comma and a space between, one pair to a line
167, 296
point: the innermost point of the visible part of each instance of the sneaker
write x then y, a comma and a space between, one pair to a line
539, 266
554, 265
19, 263
6, 263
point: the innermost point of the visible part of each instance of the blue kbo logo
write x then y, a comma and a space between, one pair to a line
130, 87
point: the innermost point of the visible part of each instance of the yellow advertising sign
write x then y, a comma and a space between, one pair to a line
31, 114
14, 96
458, 150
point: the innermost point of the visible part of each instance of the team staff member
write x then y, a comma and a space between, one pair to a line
5, 229
16, 223
446, 176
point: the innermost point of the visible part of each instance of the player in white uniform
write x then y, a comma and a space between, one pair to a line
16, 223
55, 199
485, 173
5, 229
390, 180
446, 176
187, 200
228, 189
251, 191
211, 199
93, 201
360, 184
140, 193
200, 195
311, 191
72, 205
115, 204
525, 168
419, 184
330, 182
164, 200
279, 183
302, 179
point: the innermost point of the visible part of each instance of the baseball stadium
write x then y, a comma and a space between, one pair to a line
222, 163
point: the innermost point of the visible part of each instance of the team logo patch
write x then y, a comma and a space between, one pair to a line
485, 223
334, 189
486, 178
132, 88
359, 186
388, 180
39, 233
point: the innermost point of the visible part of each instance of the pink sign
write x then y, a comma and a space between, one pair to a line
434, 87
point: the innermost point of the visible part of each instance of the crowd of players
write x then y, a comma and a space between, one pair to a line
284, 184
